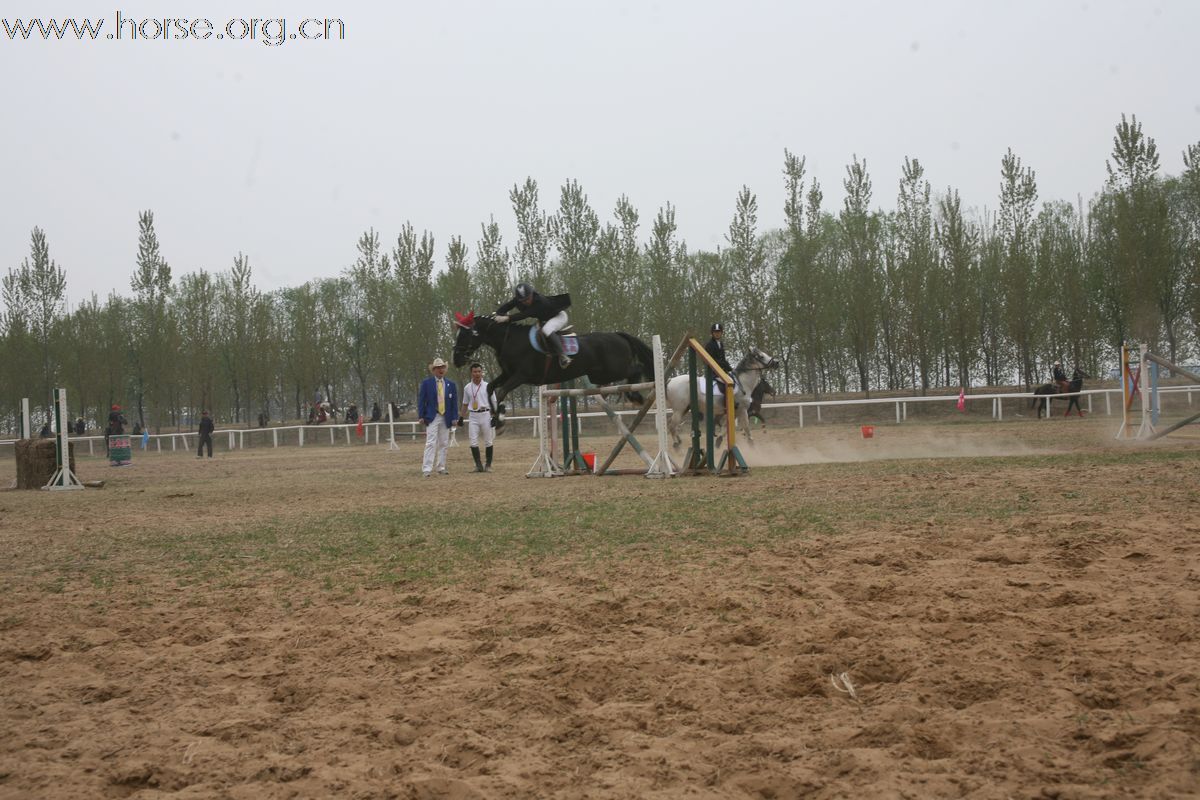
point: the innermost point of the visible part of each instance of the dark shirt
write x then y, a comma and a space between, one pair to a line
352, 415
542, 308
717, 350
116, 422
45, 432
376, 414
1060, 375
206, 426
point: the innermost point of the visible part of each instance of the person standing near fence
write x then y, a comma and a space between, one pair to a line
206, 431
437, 407
477, 409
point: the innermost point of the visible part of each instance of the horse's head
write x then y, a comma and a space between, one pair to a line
468, 339
757, 358
1079, 375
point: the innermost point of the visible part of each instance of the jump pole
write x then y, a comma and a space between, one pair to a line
26, 420
63, 478
391, 430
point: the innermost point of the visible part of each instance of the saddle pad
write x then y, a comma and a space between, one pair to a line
570, 342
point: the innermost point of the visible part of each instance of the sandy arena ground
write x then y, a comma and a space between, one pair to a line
986, 610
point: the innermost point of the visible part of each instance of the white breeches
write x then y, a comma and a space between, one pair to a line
437, 439
479, 423
553, 324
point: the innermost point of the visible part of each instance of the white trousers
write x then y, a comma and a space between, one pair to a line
480, 426
554, 323
437, 439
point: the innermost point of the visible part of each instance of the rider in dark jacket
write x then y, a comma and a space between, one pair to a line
716, 349
1060, 377
550, 312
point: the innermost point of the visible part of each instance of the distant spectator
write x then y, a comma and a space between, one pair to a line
352, 413
45, 432
312, 415
206, 431
116, 422
80, 427
376, 414
137, 429
262, 419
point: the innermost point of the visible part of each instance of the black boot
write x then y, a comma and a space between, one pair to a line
488, 468
564, 360
478, 463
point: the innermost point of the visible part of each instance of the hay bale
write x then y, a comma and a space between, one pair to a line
35, 462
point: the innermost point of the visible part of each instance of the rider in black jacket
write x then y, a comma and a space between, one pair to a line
550, 312
716, 349
1060, 377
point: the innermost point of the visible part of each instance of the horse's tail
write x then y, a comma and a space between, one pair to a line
643, 364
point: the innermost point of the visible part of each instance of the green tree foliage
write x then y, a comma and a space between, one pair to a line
860, 270
150, 352
1025, 304
924, 295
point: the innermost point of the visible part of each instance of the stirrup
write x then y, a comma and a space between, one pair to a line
564, 361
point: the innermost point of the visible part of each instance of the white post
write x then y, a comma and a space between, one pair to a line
231, 440
661, 466
801, 415
26, 422
331, 434
301, 429
897, 413
1089, 397
818, 413
391, 429
90, 451
63, 478
173, 443
275, 437
1108, 404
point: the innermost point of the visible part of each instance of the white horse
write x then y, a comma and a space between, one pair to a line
746, 376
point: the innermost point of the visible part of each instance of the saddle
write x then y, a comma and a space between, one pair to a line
569, 337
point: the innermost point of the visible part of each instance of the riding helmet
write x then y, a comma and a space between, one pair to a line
523, 291
717, 327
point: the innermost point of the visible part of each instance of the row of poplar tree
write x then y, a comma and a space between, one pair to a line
858, 298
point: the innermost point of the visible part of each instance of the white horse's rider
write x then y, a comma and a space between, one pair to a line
550, 312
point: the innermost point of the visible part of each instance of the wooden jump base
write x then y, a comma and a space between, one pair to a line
660, 466
1142, 383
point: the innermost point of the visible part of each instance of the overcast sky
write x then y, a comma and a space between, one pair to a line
430, 112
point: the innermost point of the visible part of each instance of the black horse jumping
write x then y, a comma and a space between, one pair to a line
603, 358
1051, 389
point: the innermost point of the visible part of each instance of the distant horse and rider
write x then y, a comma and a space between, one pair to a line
747, 377
1060, 386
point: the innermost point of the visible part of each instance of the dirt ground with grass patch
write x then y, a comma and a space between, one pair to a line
946, 610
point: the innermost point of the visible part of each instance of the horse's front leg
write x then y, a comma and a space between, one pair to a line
500, 392
743, 416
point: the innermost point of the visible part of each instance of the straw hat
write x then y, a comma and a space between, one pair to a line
437, 362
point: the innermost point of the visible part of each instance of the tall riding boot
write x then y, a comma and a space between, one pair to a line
478, 463
488, 467
564, 360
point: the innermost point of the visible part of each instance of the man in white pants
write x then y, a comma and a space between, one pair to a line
437, 408
478, 412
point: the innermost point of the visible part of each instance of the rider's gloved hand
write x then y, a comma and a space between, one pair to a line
502, 318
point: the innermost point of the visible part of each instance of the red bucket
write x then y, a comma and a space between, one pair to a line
868, 431
590, 460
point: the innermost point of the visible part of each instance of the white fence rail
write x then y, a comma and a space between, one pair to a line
382, 432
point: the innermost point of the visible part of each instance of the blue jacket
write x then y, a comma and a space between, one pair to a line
427, 401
